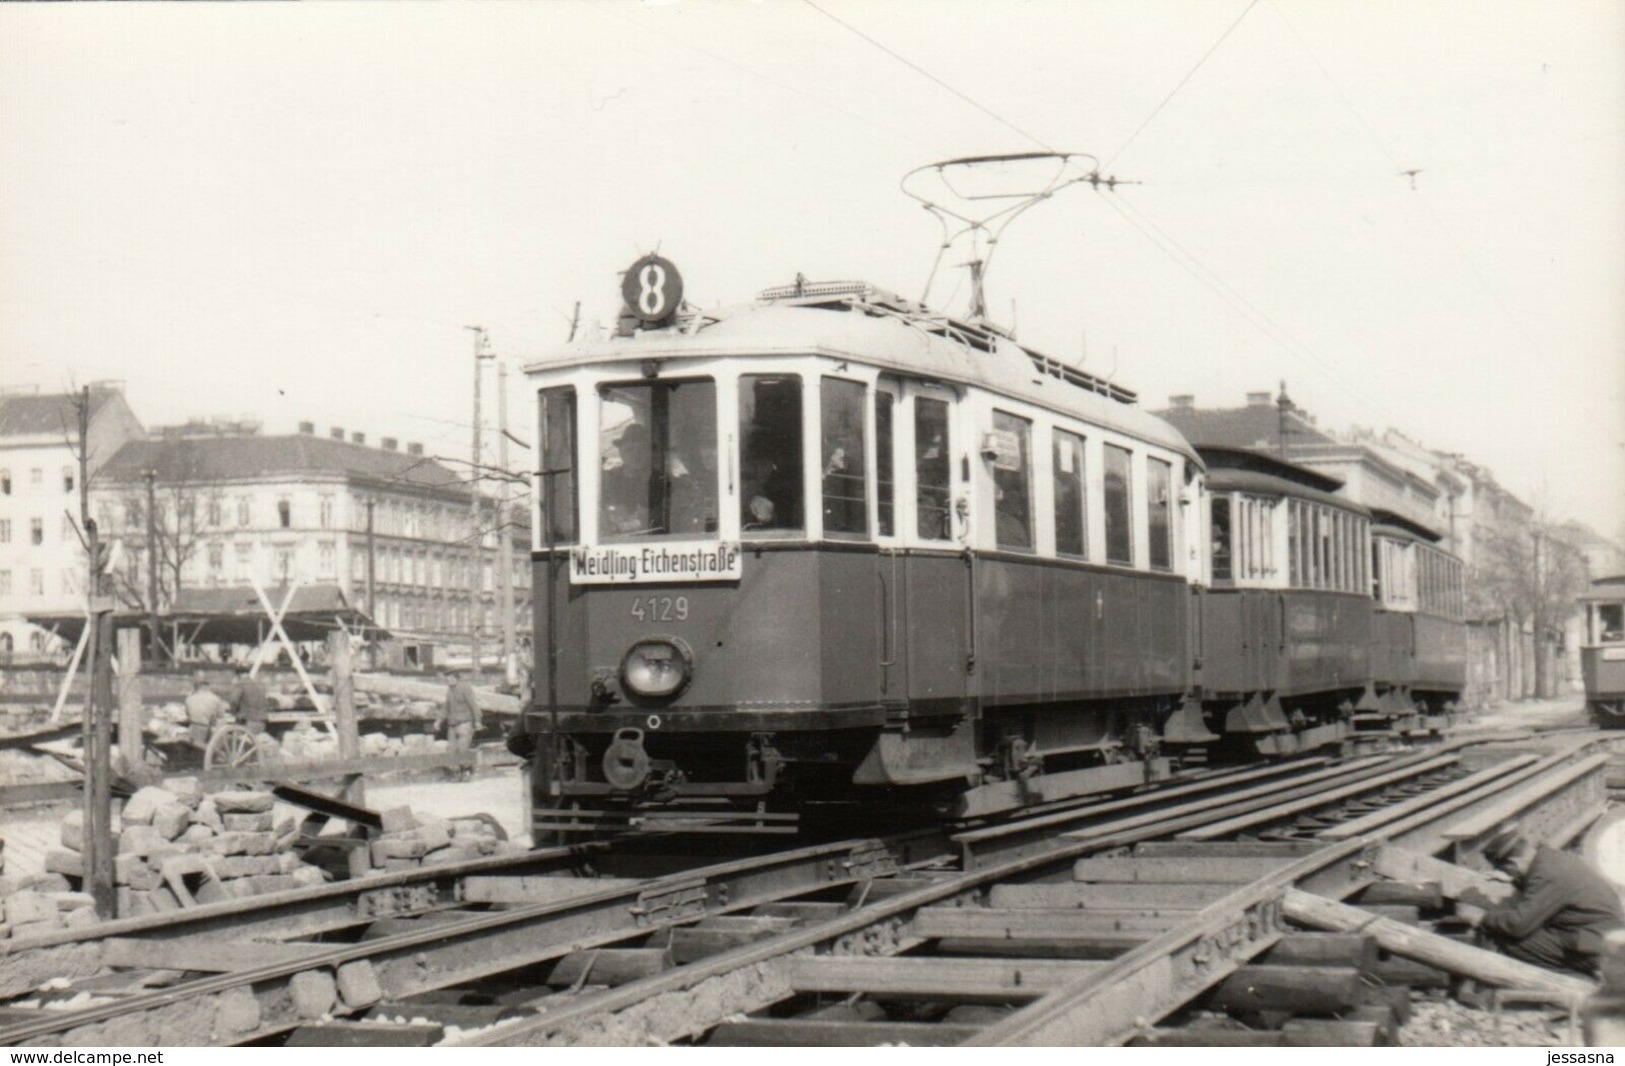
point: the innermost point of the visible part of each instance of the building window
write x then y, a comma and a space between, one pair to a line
243, 512
1012, 488
5, 582
36, 477
67, 479
217, 561
284, 565
132, 515
284, 513
327, 512
36, 581
5, 482
245, 564
1119, 530
5, 531
70, 581
68, 534
1069, 494
36, 531
214, 511
326, 555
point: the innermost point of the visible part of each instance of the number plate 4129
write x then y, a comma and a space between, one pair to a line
660, 608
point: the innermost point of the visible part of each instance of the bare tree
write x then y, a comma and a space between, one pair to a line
170, 520
1533, 578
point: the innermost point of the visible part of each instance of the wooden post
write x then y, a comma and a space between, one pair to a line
338, 656
98, 850
130, 716
1477, 963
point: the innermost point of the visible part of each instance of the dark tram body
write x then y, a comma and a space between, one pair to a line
834, 550
1602, 654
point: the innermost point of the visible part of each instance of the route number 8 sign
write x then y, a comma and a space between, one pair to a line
652, 289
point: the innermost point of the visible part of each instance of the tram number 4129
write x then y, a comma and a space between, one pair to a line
660, 608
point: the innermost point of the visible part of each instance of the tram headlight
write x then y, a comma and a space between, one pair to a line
655, 669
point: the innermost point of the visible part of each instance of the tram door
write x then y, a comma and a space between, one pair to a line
934, 604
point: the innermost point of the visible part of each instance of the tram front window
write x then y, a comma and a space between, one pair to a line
659, 470
770, 453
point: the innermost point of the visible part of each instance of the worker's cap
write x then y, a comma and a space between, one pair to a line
1506, 840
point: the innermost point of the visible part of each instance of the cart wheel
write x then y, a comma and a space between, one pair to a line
232, 746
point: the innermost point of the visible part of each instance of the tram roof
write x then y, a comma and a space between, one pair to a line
1609, 589
910, 343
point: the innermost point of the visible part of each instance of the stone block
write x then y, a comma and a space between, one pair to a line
208, 814
135, 872
46, 882
140, 839
397, 847
358, 984
244, 802
73, 830
139, 808
186, 790
373, 744
26, 929
171, 820
308, 876
196, 833
237, 1011
261, 822
230, 843
314, 993
25, 907
79, 919
433, 835
213, 891
395, 865
265, 883
230, 866
65, 862
398, 820
71, 901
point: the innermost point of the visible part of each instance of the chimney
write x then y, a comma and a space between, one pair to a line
307, 428
337, 433
414, 448
1260, 399
389, 444
1185, 401
358, 437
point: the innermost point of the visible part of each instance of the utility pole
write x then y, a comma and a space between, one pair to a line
482, 352
98, 726
510, 667
152, 561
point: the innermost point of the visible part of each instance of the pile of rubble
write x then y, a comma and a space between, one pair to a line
411, 840
179, 847
43, 903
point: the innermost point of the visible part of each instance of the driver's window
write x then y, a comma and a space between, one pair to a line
1611, 623
658, 472
770, 498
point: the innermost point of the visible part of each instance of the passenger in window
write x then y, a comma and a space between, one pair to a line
692, 492
768, 496
626, 481
1010, 520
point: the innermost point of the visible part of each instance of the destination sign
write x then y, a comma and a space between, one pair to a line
630, 564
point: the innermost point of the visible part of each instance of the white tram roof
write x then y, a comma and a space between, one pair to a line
866, 325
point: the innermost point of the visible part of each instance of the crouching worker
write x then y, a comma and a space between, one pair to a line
1563, 909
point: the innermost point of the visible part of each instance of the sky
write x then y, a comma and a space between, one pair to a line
293, 212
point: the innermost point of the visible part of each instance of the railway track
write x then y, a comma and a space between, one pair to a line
410, 946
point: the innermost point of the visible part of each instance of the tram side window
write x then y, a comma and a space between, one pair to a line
846, 498
1012, 490
1220, 522
1159, 492
1119, 532
659, 443
1611, 623
1069, 494
558, 464
1294, 556
885, 478
770, 452
933, 469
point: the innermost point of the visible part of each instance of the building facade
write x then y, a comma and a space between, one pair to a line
42, 557
390, 527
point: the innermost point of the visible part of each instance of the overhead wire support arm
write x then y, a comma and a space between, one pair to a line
955, 204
